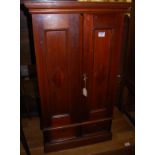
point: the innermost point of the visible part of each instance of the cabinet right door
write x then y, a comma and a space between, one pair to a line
102, 37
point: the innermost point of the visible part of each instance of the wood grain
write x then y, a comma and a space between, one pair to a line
68, 46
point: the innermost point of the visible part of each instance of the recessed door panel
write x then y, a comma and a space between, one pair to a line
101, 68
57, 68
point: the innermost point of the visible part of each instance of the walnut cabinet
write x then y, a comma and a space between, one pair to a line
78, 48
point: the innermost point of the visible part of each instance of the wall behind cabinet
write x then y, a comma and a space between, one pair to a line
29, 88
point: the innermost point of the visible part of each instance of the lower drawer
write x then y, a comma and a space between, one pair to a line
95, 127
65, 132
60, 134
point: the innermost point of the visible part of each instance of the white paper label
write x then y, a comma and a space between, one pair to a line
101, 34
126, 144
84, 92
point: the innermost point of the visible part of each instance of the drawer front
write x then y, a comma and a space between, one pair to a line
94, 128
60, 134
67, 132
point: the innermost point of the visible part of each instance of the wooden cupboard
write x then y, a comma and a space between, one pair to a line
78, 46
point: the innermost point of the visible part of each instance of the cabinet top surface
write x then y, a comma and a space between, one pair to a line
103, 1
46, 6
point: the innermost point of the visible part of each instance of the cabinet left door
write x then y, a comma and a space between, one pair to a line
58, 45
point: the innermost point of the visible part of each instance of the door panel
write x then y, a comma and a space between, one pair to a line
100, 72
58, 44
101, 68
99, 37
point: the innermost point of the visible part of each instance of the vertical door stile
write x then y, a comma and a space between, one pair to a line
87, 62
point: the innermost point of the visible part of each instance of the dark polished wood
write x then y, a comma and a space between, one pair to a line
74, 40
70, 143
74, 6
126, 99
58, 50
